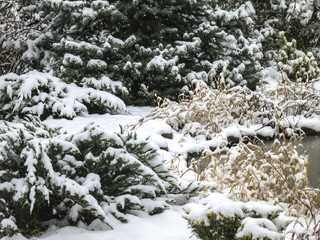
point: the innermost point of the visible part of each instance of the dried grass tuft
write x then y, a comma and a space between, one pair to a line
248, 172
207, 111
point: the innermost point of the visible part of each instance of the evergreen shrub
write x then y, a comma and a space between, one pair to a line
92, 177
211, 219
44, 95
217, 227
295, 63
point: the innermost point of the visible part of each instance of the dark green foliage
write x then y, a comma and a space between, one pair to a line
99, 106
154, 48
14, 33
235, 221
294, 63
43, 95
87, 176
217, 228
299, 19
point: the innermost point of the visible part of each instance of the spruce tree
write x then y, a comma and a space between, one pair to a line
152, 47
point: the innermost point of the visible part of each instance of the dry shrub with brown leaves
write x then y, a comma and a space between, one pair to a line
248, 172
294, 98
207, 111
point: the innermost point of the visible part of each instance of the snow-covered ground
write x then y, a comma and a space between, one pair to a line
165, 226
106, 121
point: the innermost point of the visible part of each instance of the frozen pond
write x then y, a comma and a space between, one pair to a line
312, 147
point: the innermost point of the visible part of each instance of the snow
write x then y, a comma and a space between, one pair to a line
168, 225
297, 228
262, 228
121, 200
92, 182
96, 63
69, 58
157, 62
183, 45
8, 223
88, 12
116, 42
64, 100
78, 46
216, 203
155, 126
107, 121
271, 76
32, 52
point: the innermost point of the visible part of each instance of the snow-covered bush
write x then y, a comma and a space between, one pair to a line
295, 99
152, 48
44, 95
83, 179
216, 217
7, 227
302, 21
249, 172
296, 64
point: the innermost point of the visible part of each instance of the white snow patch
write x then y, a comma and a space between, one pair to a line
168, 225
107, 121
